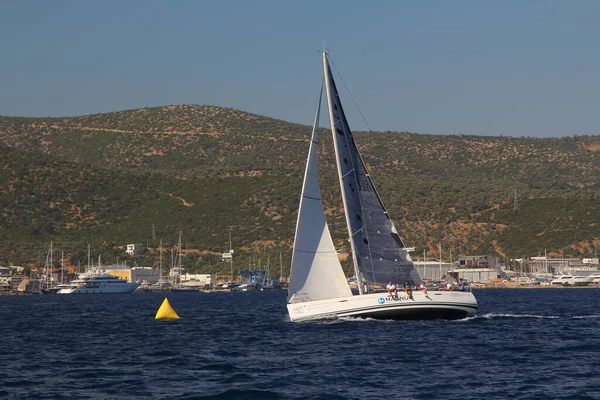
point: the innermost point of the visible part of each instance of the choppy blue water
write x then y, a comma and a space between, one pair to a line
526, 344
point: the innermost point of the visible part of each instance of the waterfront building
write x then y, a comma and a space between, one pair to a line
478, 261
473, 274
137, 274
432, 270
200, 280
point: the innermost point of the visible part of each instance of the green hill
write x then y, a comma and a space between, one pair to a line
107, 179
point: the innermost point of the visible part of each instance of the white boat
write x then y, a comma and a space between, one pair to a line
318, 288
594, 279
246, 287
560, 279
98, 282
57, 288
578, 280
572, 280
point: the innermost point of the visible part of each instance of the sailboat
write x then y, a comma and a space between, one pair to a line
176, 270
318, 288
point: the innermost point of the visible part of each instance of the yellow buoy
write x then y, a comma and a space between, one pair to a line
166, 311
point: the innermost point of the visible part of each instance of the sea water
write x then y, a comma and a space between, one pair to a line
523, 344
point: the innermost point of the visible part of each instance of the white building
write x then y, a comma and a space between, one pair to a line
137, 274
227, 256
432, 270
199, 279
134, 249
474, 274
17, 270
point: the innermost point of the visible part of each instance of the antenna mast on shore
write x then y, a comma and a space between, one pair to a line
231, 259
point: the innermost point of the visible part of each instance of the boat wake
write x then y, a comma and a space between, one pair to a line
586, 316
354, 319
489, 316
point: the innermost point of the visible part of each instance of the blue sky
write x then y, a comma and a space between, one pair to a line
512, 68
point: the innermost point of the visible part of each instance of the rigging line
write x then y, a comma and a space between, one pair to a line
315, 252
363, 228
350, 93
348, 173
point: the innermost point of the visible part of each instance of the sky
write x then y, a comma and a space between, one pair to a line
493, 68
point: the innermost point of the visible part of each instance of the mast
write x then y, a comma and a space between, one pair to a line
179, 264
48, 269
160, 269
440, 263
49, 273
339, 168
424, 264
267, 268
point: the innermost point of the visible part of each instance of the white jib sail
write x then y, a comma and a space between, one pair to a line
316, 272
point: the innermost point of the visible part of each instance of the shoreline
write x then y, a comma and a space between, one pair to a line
533, 287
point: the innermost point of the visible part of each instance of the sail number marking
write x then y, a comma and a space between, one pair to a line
364, 185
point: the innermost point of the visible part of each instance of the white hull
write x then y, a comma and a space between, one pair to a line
102, 289
434, 305
572, 280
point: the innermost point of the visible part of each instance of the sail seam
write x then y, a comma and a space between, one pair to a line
311, 198
315, 252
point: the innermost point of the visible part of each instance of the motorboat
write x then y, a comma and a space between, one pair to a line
594, 279
246, 287
94, 282
56, 288
571, 280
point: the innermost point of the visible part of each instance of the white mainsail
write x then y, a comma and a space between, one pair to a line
316, 272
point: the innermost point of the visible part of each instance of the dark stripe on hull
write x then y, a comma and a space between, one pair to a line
450, 312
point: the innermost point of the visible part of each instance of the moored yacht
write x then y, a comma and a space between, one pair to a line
579, 280
594, 278
560, 279
98, 282
567, 279
57, 288
245, 287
